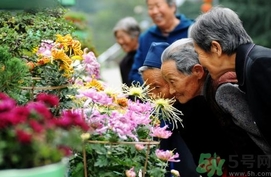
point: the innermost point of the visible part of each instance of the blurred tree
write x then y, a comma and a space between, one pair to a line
103, 15
256, 17
191, 8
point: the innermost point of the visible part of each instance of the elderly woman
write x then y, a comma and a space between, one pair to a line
151, 74
126, 32
188, 81
223, 45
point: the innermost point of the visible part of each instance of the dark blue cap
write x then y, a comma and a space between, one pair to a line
153, 58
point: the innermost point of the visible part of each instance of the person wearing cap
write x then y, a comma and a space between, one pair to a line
168, 27
151, 74
189, 81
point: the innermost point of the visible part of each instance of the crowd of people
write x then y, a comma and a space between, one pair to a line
220, 79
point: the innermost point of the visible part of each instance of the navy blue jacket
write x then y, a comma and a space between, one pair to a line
154, 34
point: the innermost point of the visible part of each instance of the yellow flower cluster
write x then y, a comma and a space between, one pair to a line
65, 50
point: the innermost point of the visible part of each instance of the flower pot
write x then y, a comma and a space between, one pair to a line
52, 170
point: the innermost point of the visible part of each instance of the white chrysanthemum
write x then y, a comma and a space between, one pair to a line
164, 109
136, 90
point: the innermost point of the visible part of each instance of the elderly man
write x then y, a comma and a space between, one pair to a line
168, 27
151, 74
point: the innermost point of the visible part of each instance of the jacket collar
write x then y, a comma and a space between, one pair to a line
184, 24
240, 63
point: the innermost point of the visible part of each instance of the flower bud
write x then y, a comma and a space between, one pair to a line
175, 173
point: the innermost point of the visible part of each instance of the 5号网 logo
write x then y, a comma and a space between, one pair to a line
212, 165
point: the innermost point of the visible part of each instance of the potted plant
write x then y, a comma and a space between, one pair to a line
123, 139
29, 36
13, 73
34, 141
52, 67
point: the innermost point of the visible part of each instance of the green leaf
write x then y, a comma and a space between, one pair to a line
101, 162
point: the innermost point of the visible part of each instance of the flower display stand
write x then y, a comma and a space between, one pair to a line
147, 143
51, 170
34, 89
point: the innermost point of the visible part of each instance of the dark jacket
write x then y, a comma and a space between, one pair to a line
227, 103
201, 131
125, 67
187, 166
253, 69
154, 34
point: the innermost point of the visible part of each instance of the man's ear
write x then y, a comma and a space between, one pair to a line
198, 70
216, 48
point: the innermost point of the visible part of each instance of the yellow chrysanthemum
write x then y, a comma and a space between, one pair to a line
66, 62
76, 48
85, 136
123, 102
94, 83
35, 49
164, 109
71, 46
43, 61
66, 41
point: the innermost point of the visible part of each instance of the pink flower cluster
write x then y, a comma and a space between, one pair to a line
45, 48
90, 64
34, 123
104, 115
122, 121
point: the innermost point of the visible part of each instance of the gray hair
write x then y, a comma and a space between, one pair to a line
183, 53
222, 25
169, 2
144, 68
129, 25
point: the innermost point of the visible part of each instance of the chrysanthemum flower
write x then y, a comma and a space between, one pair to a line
66, 61
94, 83
50, 100
90, 64
139, 147
167, 155
175, 173
137, 90
85, 136
130, 173
76, 48
164, 109
160, 132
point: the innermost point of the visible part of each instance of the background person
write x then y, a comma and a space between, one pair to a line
126, 32
168, 27
151, 74
189, 80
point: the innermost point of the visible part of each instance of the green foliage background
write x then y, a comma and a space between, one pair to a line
103, 15
21, 32
256, 17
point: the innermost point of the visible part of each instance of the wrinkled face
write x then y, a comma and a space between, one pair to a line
158, 86
209, 61
184, 87
160, 12
126, 42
